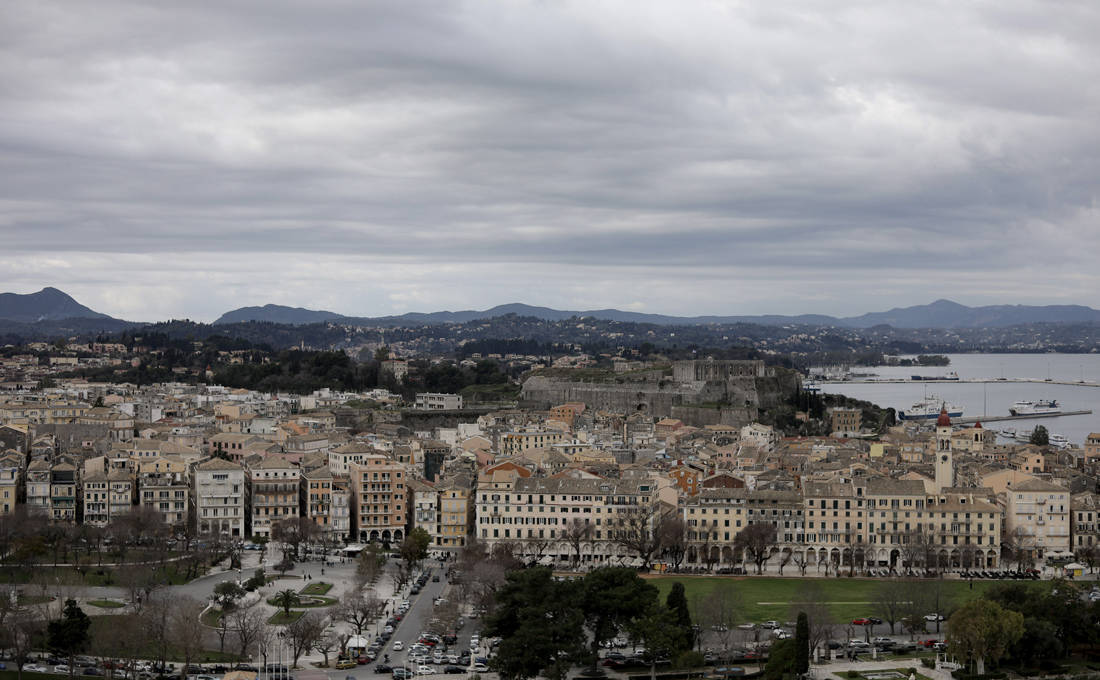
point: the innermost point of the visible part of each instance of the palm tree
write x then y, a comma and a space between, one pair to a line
286, 599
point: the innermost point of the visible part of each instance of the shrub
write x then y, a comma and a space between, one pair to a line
927, 663
853, 674
910, 671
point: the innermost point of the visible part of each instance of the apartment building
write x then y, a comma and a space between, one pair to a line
553, 517
166, 489
220, 498
516, 442
274, 483
380, 499
11, 469
456, 511
1085, 522
424, 508
325, 499
435, 401
1037, 517
96, 499
64, 494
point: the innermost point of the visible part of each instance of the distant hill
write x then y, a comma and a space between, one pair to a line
48, 304
277, 314
939, 314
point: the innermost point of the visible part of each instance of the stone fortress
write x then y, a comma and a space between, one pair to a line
699, 392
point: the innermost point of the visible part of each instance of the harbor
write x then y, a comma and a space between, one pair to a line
970, 420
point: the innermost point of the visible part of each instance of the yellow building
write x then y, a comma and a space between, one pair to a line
11, 465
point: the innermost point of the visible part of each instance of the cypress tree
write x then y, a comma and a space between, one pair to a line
802, 644
677, 603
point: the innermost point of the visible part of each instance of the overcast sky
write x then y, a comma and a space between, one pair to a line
173, 159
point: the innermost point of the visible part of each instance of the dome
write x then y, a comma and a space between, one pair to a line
944, 420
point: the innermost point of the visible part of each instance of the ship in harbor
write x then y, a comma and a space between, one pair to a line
950, 376
1042, 407
929, 409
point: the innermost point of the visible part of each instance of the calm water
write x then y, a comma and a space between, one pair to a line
994, 399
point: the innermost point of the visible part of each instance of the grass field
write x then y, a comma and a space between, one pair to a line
318, 588
761, 598
281, 619
100, 624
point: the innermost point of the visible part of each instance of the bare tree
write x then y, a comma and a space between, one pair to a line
368, 566
801, 562
359, 610
810, 598
785, 556
19, 637
292, 533
636, 530
156, 620
757, 540
186, 633
248, 624
575, 534
672, 536
327, 641
303, 633
891, 600
720, 613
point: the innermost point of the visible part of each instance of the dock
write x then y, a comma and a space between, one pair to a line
992, 419
902, 381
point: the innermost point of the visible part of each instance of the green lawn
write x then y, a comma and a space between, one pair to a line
319, 588
211, 617
281, 619
761, 598
307, 601
106, 604
102, 623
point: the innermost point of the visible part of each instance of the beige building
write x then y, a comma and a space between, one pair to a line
516, 442
220, 498
11, 469
1037, 517
1085, 522
456, 511
846, 422
1092, 446
275, 493
326, 502
166, 489
379, 499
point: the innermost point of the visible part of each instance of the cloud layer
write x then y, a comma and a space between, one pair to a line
166, 160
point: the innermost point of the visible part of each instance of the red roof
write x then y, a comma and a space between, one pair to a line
944, 420
978, 425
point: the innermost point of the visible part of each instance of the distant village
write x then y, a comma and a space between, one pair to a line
664, 471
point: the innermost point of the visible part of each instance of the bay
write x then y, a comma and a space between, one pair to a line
994, 398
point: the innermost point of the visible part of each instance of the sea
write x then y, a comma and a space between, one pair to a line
994, 397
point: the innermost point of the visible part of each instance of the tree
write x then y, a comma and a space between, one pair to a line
810, 599
303, 633
890, 598
285, 599
359, 610
612, 598
636, 530
415, 546
1040, 436
802, 644
369, 565
69, 634
757, 540
19, 637
327, 642
659, 632
982, 630
781, 659
226, 595
292, 533
677, 603
541, 622
249, 625
720, 613
672, 537
575, 533
1038, 642
185, 631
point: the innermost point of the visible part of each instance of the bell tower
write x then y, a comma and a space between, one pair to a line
945, 463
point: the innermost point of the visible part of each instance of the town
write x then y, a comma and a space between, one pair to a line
111, 491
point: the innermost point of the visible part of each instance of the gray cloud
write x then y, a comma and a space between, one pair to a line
160, 159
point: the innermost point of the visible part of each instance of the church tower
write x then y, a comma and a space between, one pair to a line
945, 464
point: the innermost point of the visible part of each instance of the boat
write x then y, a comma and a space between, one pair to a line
950, 376
1023, 435
811, 386
1044, 407
1059, 441
1009, 432
929, 409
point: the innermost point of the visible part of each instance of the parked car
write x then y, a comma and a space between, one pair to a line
401, 673
875, 621
36, 668
452, 669
90, 670
861, 622
883, 642
425, 670
481, 668
859, 644
933, 617
771, 624
61, 669
344, 664
382, 668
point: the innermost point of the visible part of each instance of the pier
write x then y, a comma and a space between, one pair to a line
903, 381
968, 420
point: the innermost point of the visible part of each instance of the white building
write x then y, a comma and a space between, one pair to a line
437, 401
1037, 517
220, 498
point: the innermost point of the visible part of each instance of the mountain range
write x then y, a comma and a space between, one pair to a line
939, 314
51, 305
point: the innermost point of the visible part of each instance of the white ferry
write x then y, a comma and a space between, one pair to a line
929, 409
1059, 440
1043, 407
